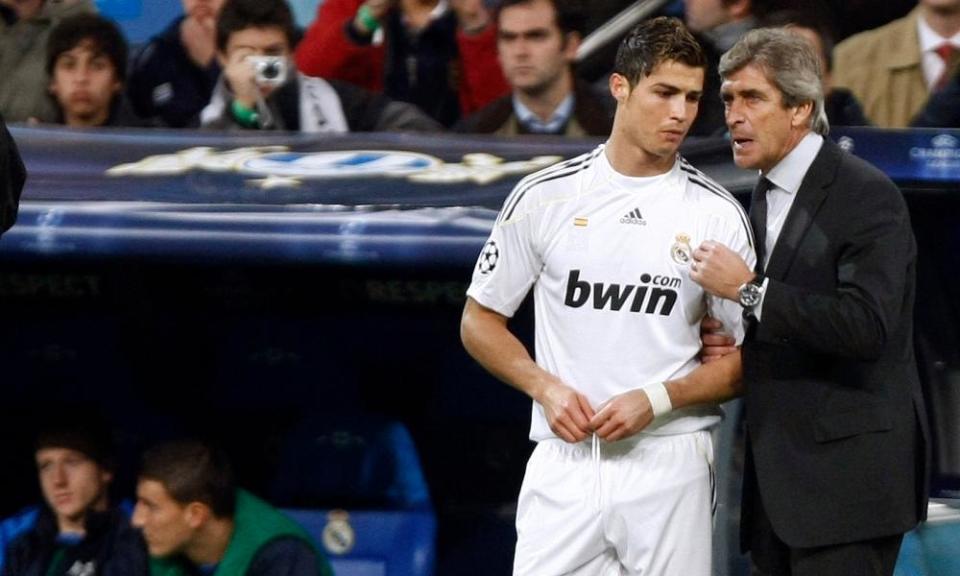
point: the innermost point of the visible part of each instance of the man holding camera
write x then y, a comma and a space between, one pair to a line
260, 90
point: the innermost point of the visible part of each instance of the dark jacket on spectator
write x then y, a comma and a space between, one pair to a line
942, 110
111, 547
843, 109
592, 116
164, 83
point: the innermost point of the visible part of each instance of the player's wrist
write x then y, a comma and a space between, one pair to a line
539, 390
659, 398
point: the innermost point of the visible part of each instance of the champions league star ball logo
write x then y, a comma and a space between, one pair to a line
488, 257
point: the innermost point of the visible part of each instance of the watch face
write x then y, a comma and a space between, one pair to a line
749, 295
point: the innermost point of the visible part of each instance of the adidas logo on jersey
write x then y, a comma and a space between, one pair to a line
654, 295
633, 217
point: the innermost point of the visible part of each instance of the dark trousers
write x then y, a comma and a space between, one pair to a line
770, 556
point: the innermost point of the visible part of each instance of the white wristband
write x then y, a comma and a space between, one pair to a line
659, 399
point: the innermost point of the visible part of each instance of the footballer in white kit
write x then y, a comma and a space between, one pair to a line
620, 482
608, 257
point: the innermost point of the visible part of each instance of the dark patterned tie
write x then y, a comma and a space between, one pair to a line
758, 219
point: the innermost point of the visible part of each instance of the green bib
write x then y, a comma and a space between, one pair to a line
255, 524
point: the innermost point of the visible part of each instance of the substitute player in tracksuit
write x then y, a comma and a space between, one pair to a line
621, 479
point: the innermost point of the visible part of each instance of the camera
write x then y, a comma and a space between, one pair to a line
269, 70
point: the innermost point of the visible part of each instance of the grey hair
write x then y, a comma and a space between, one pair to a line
789, 62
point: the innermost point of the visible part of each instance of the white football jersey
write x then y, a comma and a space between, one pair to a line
608, 256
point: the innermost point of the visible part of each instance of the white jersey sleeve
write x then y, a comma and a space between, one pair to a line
511, 259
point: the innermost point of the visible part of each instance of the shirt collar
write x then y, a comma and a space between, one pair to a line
533, 122
930, 40
788, 174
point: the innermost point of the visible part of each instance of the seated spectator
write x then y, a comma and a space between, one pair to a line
23, 40
173, 75
196, 521
841, 106
77, 532
257, 35
87, 63
894, 69
537, 44
438, 55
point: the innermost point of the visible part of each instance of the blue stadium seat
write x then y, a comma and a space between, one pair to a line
373, 543
13, 526
140, 19
356, 485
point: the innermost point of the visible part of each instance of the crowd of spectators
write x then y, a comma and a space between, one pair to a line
506, 67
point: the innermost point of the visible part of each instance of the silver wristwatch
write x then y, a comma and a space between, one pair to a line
751, 293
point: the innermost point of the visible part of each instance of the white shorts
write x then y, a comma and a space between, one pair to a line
641, 506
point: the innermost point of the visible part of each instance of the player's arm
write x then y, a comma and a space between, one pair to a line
711, 383
486, 337
715, 342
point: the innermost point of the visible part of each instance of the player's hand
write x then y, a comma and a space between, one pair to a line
716, 343
719, 270
623, 415
568, 412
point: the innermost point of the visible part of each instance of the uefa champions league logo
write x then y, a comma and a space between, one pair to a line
279, 167
489, 256
943, 153
339, 164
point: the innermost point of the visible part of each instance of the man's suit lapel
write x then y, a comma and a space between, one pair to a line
813, 191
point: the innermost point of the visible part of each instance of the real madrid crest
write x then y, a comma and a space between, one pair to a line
681, 251
338, 536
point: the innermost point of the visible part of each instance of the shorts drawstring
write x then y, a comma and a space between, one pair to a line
595, 454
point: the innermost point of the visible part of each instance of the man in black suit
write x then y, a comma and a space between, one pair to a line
12, 177
836, 443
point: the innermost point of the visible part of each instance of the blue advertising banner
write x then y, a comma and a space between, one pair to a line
908, 156
284, 197
358, 198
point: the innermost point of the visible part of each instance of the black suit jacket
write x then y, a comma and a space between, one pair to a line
836, 427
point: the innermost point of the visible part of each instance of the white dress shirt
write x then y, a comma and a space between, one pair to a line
786, 178
933, 64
